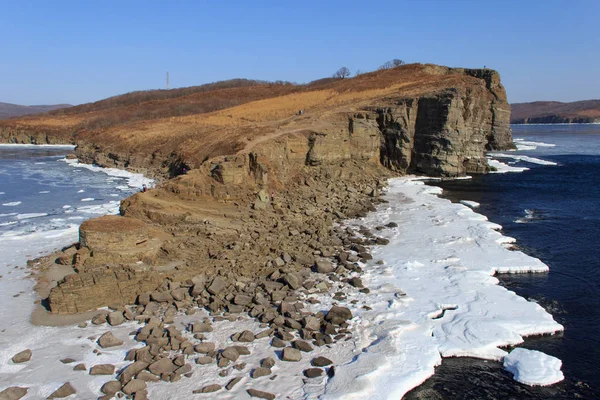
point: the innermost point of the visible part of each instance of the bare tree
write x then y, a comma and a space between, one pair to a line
397, 62
342, 73
386, 65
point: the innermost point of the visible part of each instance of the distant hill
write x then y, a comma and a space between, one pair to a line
8, 110
555, 112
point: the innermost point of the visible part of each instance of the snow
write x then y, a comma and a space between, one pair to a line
533, 367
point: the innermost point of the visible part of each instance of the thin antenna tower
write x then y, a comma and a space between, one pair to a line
167, 80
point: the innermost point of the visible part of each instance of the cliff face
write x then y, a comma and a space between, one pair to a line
321, 166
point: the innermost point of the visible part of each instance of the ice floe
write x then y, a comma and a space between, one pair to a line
469, 203
528, 159
500, 167
12, 204
133, 180
533, 367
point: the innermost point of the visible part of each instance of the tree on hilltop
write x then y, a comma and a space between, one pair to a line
342, 73
396, 62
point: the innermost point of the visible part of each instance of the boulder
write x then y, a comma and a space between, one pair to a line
108, 340
13, 393
134, 386
115, 318
217, 286
246, 336
230, 353
102, 369
259, 372
260, 394
22, 356
291, 354
132, 370
313, 372
337, 315
324, 267
111, 387
162, 366
233, 382
204, 347
64, 391
208, 389
321, 362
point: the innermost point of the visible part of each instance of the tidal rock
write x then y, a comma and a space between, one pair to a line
324, 267
230, 353
208, 389
162, 366
115, 318
302, 345
232, 383
268, 362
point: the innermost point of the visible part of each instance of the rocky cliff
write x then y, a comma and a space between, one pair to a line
260, 162
555, 112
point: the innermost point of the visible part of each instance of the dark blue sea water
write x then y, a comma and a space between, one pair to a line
554, 213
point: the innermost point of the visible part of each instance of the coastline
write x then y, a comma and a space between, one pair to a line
344, 352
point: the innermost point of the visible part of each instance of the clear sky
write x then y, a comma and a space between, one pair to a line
80, 51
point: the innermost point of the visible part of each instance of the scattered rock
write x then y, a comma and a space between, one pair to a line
217, 286
204, 360
22, 357
246, 336
204, 348
102, 369
231, 354
321, 362
13, 393
260, 371
313, 372
67, 360
115, 318
80, 367
261, 395
108, 340
302, 345
134, 386
324, 267
232, 383
63, 391
337, 315
268, 362
162, 366
111, 387
291, 354
208, 389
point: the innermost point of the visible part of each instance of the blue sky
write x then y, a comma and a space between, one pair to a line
80, 51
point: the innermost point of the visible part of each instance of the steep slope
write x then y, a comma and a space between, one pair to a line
554, 112
8, 110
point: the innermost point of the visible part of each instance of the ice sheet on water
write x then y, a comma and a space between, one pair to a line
133, 180
528, 159
533, 367
469, 203
88, 199
443, 257
31, 215
12, 204
501, 168
523, 144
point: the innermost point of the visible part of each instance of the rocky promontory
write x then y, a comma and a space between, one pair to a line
243, 219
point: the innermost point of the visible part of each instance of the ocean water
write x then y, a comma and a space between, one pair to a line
554, 213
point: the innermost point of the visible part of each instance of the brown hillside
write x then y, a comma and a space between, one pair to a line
193, 125
556, 112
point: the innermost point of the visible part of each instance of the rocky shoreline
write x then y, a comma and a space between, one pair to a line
320, 258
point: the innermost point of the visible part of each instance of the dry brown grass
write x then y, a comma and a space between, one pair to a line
224, 120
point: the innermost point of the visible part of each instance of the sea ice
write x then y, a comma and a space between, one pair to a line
533, 367
12, 204
528, 159
503, 168
469, 203
88, 199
